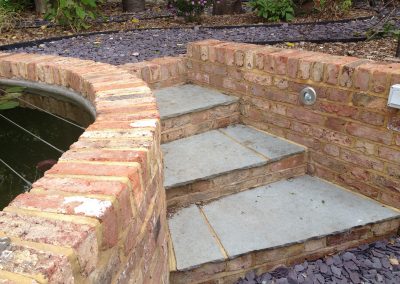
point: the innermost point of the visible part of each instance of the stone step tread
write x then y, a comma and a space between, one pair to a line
274, 215
216, 152
179, 100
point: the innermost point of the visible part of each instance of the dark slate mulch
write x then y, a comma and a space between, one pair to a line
138, 45
374, 263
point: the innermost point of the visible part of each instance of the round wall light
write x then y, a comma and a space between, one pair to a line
308, 96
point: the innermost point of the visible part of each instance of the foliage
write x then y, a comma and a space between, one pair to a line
336, 7
191, 9
16, 5
9, 97
273, 10
73, 13
7, 19
388, 29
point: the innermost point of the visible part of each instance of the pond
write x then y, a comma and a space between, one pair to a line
25, 156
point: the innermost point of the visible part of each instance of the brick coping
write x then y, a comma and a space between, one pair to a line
88, 217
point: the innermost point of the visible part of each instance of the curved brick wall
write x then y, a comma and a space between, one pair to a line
99, 214
352, 136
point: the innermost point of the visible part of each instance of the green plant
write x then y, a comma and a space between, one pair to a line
336, 7
16, 5
76, 14
9, 96
273, 10
190, 9
8, 19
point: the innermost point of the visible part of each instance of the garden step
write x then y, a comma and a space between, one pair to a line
186, 110
220, 162
280, 223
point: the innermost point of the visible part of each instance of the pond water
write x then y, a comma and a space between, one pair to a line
23, 152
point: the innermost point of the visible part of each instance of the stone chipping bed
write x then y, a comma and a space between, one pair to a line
374, 263
138, 45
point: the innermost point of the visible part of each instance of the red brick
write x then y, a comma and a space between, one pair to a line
277, 62
322, 134
306, 141
346, 76
332, 150
50, 266
358, 185
339, 110
304, 114
368, 101
336, 124
354, 234
330, 163
369, 133
361, 160
372, 118
394, 124
389, 154
80, 237
261, 54
333, 68
393, 171
388, 183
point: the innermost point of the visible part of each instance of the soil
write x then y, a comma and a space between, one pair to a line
383, 49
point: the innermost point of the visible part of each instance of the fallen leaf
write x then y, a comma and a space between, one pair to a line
394, 261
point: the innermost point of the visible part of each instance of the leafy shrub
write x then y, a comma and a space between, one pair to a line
337, 7
16, 5
191, 9
273, 10
8, 19
73, 13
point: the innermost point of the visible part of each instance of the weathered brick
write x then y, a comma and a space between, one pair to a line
82, 238
389, 154
361, 160
369, 133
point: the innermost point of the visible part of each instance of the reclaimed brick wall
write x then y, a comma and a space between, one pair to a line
99, 215
353, 137
160, 72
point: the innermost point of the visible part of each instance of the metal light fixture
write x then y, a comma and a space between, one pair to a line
308, 96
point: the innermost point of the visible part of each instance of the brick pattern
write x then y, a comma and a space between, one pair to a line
352, 135
160, 72
194, 123
99, 215
236, 181
230, 270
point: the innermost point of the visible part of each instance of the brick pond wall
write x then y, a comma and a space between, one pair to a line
352, 136
99, 215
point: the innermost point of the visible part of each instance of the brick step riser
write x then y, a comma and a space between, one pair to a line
190, 124
236, 181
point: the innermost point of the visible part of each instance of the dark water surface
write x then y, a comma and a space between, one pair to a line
23, 152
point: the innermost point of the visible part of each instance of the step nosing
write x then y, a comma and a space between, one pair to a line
196, 110
208, 177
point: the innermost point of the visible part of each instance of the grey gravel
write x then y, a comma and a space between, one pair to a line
357, 265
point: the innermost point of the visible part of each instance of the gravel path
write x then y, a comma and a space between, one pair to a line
132, 46
374, 263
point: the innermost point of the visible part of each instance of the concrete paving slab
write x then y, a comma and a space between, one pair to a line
268, 145
192, 239
179, 100
204, 156
289, 211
